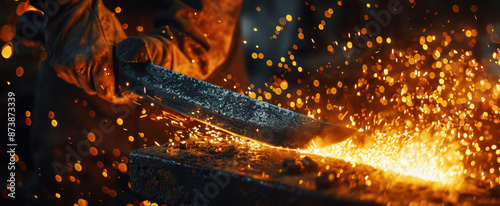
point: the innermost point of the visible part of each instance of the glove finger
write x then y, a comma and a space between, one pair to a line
30, 27
133, 49
151, 48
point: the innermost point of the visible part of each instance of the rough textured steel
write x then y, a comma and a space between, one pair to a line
225, 109
236, 173
198, 177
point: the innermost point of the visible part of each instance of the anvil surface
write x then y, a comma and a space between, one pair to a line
230, 173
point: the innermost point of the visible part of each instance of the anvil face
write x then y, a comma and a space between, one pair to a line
240, 172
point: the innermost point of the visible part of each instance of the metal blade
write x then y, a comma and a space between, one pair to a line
226, 109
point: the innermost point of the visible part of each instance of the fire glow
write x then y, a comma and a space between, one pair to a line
430, 159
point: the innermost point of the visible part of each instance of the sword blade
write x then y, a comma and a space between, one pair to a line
226, 109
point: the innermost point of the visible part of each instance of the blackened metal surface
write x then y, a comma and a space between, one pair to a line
223, 173
217, 182
225, 109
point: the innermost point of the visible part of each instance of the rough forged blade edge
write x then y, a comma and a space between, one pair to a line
226, 109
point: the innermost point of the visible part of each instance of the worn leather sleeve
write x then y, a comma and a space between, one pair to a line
189, 40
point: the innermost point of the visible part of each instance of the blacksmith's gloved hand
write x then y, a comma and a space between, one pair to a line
79, 37
193, 39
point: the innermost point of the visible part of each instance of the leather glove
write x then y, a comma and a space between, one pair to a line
79, 37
